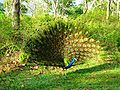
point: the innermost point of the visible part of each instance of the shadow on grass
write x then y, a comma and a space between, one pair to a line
106, 66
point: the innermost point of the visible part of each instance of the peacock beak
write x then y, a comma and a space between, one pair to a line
75, 59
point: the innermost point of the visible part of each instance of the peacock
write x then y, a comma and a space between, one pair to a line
70, 64
59, 43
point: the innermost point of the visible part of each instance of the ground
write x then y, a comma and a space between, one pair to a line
88, 76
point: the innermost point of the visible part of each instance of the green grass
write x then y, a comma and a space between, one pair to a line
88, 76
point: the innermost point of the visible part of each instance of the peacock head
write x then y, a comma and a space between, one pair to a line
74, 59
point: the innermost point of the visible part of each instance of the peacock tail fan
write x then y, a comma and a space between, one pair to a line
59, 42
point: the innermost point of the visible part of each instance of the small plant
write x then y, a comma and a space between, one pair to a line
116, 56
23, 57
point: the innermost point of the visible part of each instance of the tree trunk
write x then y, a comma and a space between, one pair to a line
16, 14
63, 8
55, 7
118, 7
86, 6
108, 9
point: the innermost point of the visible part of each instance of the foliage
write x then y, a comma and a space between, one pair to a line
23, 57
64, 5
1, 7
24, 9
75, 11
6, 31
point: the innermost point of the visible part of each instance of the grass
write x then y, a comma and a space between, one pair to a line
88, 76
